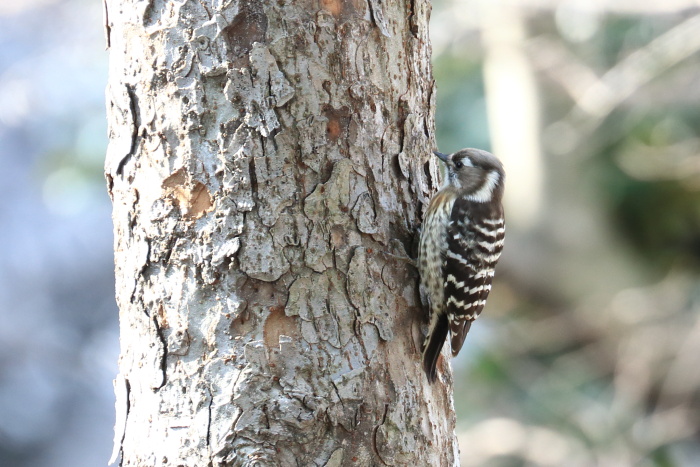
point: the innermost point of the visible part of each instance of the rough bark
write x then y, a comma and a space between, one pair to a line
267, 165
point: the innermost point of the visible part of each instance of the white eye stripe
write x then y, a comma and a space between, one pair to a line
465, 161
484, 193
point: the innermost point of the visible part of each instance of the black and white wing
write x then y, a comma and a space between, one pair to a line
475, 240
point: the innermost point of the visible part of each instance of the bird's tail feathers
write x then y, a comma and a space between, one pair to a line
433, 346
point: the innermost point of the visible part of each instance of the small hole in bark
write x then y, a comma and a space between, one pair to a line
396, 166
338, 122
426, 171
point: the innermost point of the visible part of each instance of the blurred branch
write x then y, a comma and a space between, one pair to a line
513, 111
629, 75
552, 57
677, 161
682, 379
634, 7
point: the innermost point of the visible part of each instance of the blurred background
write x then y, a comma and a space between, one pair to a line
59, 339
589, 350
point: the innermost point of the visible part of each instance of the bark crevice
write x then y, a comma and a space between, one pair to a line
266, 163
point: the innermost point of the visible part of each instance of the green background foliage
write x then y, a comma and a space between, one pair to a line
587, 351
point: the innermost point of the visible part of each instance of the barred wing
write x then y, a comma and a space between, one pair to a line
475, 240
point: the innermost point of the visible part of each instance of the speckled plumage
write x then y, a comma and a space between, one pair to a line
461, 241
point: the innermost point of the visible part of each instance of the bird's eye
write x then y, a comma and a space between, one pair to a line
458, 164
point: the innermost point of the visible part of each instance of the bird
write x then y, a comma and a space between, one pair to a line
460, 243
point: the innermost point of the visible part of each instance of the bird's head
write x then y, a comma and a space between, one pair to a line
476, 174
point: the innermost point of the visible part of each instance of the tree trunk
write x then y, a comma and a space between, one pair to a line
267, 169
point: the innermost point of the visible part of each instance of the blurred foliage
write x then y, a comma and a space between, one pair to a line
587, 353
460, 102
650, 198
59, 335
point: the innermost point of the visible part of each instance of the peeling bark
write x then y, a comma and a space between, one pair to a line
267, 165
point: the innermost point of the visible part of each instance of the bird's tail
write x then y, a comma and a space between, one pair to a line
433, 346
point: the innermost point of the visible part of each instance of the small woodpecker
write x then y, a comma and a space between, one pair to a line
460, 242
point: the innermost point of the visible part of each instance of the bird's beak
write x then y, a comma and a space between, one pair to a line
443, 157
